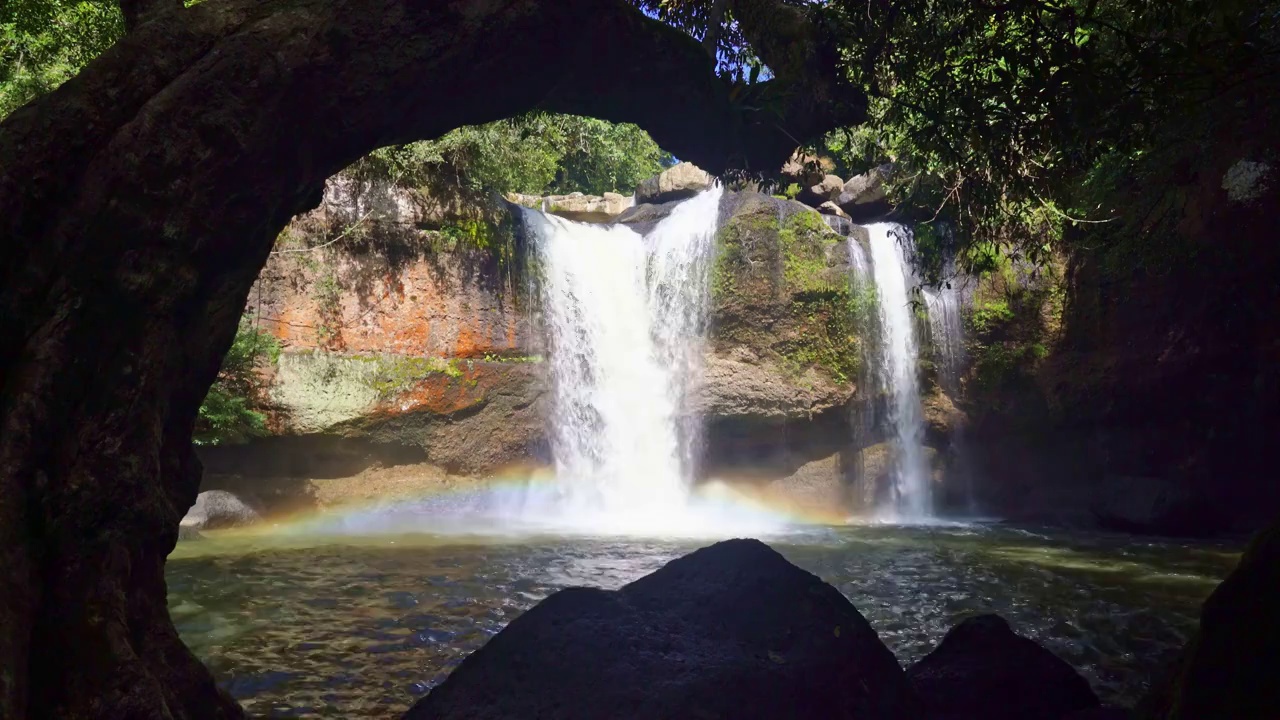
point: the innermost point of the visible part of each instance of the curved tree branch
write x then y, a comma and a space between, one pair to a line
138, 11
138, 203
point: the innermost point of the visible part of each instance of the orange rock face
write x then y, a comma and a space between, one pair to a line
434, 305
444, 394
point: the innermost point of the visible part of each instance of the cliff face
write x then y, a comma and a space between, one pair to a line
396, 333
1137, 388
785, 345
407, 337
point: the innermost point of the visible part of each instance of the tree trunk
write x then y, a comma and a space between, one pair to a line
138, 203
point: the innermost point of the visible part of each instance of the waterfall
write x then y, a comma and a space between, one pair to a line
625, 317
682, 248
898, 365
946, 333
946, 329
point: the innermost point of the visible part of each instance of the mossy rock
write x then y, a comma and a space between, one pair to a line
781, 287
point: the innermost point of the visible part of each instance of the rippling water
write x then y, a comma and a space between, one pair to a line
361, 627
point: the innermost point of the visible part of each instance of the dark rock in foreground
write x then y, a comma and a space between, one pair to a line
730, 631
1101, 713
1229, 669
983, 670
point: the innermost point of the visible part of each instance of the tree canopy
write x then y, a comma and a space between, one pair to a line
536, 153
1009, 119
1013, 119
45, 42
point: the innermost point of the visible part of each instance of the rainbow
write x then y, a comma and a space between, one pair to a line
507, 509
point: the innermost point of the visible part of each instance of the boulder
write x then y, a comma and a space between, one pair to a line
840, 224
677, 182
826, 190
830, 208
187, 532
943, 420
816, 489
740, 384
216, 509
1228, 669
468, 416
863, 197
806, 170
1149, 505
733, 630
576, 206
983, 670
643, 218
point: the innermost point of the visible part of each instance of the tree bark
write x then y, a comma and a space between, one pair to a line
138, 203
136, 11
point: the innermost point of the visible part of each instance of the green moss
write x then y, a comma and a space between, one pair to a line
472, 232
395, 375
497, 358
835, 323
802, 243
722, 273
770, 264
734, 244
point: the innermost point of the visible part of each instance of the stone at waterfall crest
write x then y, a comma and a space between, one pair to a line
675, 183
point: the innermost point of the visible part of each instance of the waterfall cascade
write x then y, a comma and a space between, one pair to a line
946, 329
898, 365
625, 316
946, 333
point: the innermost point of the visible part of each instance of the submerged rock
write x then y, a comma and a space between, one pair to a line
983, 670
216, 509
733, 630
677, 182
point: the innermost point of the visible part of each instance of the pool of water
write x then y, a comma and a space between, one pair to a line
343, 626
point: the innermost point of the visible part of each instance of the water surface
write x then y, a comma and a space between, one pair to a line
361, 627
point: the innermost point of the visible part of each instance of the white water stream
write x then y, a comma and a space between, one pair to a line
625, 317
898, 367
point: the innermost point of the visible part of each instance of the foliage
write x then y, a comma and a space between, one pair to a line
45, 42
233, 411
538, 153
1010, 119
1016, 118
986, 317
328, 296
